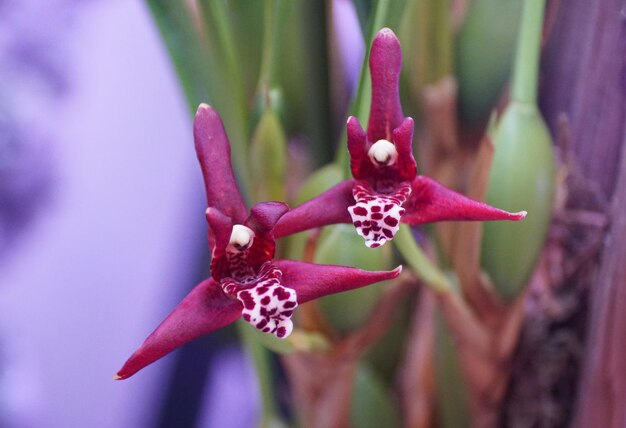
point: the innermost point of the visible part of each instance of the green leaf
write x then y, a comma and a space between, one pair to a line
187, 49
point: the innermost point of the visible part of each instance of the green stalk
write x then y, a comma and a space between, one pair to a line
228, 97
261, 360
185, 46
268, 91
226, 41
526, 66
361, 103
443, 39
267, 60
419, 263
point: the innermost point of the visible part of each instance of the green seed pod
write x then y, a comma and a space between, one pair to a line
523, 170
340, 245
268, 159
522, 178
452, 409
484, 51
371, 401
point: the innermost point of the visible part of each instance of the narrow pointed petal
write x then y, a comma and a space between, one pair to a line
431, 201
205, 309
312, 281
265, 215
220, 228
331, 207
403, 140
385, 65
213, 150
357, 147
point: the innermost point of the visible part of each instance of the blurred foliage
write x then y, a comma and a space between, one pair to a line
451, 394
483, 55
270, 80
522, 178
523, 172
372, 405
339, 245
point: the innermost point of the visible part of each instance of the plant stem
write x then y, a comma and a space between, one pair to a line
361, 103
419, 263
526, 66
226, 38
261, 361
228, 95
267, 59
443, 39
185, 47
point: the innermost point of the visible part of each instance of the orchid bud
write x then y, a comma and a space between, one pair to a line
522, 177
268, 158
523, 169
267, 99
483, 72
340, 245
372, 405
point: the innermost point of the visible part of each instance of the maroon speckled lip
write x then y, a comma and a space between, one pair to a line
375, 186
242, 279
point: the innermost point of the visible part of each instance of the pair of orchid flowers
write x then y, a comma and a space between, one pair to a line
245, 279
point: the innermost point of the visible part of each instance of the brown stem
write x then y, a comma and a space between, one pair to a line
323, 382
417, 380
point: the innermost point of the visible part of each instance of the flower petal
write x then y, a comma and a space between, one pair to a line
265, 215
213, 150
331, 207
375, 216
385, 65
205, 309
220, 228
312, 281
403, 140
430, 201
267, 305
360, 164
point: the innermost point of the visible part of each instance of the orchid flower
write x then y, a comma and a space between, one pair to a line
386, 189
245, 280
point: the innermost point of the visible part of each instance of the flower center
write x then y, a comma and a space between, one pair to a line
267, 304
241, 238
376, 216
237, 252
383, 153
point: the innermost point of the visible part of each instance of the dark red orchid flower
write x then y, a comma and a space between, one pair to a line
386, 189
245, 280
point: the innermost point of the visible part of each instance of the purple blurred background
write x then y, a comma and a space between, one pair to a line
101, 219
